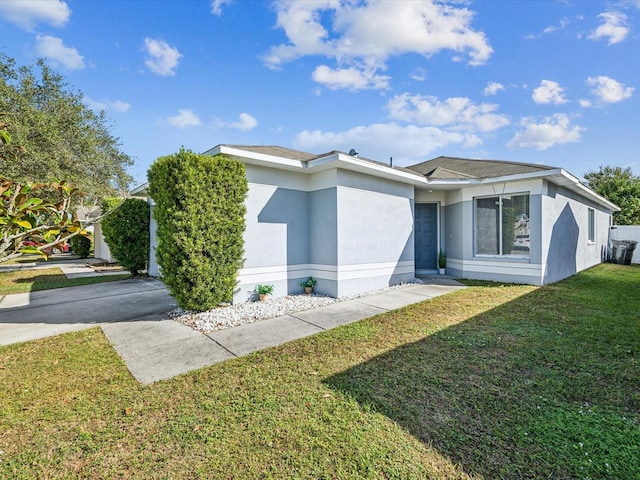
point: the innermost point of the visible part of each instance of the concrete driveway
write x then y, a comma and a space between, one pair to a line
133, 316
29, 316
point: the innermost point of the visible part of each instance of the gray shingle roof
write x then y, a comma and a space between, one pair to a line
276, 151
457, 168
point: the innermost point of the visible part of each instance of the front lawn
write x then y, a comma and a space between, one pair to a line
33, 280
494, 381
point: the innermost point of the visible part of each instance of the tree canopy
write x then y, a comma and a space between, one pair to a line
620, 186
59, 136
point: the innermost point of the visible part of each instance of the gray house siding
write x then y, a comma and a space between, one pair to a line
349, 222
323, 250
375, 240
460, 235
352, 236
455, 235
565, 230
559, 244
276, 239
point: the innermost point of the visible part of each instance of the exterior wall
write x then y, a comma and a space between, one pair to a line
375, 234
559, 245
153, 269
460, 236
100, 247
628, 232
276, 239
565, 231
457, 233
323, 252
349, 231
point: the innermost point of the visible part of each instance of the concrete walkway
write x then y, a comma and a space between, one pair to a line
72, 266
156, 351
132, 314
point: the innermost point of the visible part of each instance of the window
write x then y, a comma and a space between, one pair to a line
502, 225
591, 216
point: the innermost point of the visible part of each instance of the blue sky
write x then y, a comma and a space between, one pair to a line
552, 82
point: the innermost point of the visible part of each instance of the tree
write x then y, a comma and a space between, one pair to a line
60, 136
621, 187
199, 211
126, 231
24, 216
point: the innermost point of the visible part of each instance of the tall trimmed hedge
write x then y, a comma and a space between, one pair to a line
126, 231
200, 214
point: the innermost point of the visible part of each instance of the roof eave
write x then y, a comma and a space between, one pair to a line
256, 158
348, 162
558, 176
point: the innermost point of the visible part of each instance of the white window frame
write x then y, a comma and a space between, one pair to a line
500, 253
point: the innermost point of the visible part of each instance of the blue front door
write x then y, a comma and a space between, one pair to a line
426, 236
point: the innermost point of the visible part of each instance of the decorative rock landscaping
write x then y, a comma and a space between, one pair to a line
226, 316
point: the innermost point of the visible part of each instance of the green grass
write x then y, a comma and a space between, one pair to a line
22, 281
489, 382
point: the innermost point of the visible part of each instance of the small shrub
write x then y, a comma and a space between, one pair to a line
309, 283
126, 231
81, 246
265, 289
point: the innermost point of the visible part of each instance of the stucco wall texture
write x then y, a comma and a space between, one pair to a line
349, 232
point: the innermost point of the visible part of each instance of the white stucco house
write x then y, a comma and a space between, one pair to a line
357, 225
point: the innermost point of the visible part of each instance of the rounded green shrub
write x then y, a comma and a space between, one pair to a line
81, 246
200, 215
126, 230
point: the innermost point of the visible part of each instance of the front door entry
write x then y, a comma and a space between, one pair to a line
426, 236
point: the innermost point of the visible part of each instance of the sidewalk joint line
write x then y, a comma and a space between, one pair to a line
220, 345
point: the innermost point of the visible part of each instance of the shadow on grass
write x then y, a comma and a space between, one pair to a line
545, 386
46, 282
24, 281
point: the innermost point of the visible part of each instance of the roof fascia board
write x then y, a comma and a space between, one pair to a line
257, 157
341, 160
579, 187
570, 181
461, 182
334, 160
140, 189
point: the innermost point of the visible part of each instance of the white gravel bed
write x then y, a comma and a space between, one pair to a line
226, 316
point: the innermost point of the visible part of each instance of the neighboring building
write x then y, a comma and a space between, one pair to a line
357, 225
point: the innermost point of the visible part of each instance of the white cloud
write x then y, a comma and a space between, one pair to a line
350, 78
58, 53
216, 6
549, 92
162, 58
614, 27
552, 131
492, 88
27, 14
245, 123
185, 118
585, 103
419, 74
459, 113
609, 90
359, 34
550, 29
115, 106
406, 144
